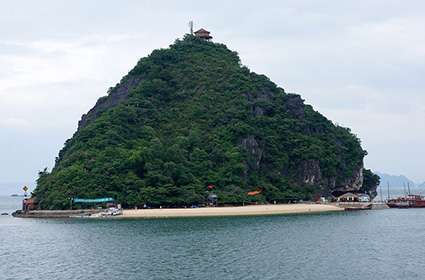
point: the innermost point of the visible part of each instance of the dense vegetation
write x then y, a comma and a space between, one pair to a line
197, 117
370, 182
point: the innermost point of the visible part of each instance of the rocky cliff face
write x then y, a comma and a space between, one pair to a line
254, 152
310, 174
115, 96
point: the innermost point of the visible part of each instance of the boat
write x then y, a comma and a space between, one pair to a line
355, 206
407, 201
110, 212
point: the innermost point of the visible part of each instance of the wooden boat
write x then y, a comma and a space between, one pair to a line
408, 201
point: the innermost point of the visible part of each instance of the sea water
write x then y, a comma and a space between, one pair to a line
379, 244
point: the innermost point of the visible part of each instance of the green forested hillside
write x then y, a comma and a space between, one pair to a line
190, 116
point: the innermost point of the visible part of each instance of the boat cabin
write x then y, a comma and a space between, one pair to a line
203, 34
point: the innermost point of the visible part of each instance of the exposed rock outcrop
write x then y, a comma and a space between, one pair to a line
118, 94
350, 184
309, 172
294, 105
254, 151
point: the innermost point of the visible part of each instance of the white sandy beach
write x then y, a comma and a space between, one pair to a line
251, 210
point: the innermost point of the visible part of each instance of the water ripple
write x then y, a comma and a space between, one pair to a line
363, 245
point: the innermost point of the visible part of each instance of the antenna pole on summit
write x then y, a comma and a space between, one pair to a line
191, 27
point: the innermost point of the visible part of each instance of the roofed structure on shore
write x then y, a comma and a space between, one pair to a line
29, 204
364, 197
348, 197
203, 34
212, 199
254, 193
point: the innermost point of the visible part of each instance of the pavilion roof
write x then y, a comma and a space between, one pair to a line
202, 31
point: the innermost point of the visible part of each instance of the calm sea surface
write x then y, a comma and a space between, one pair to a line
380, 244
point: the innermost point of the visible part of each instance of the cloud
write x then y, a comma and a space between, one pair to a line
359, 63
14, 122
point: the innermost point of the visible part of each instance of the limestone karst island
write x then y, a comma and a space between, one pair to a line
191, 128
245, 140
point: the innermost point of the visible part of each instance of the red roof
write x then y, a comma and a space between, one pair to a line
30, 200
202, 31
254, 193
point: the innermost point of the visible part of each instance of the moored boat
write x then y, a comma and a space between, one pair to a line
408, 201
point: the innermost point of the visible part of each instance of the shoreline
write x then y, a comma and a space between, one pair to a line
251, 210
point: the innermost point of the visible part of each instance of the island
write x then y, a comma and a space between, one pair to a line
190, 126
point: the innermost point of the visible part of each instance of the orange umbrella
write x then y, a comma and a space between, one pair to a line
257, 192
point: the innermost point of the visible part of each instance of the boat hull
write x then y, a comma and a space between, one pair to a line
410, 201
396, 205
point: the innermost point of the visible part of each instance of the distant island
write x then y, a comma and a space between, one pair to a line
190, 123
397, 181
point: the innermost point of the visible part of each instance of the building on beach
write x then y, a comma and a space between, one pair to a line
29, 204
353, 197
212, 199
348, 197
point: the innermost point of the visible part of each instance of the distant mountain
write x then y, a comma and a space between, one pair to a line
396, 181
421, 185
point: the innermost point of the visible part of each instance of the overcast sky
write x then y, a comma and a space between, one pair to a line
360, 63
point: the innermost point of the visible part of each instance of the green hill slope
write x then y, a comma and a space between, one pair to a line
191, 116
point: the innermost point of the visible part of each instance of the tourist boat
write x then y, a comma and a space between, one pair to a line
408, 201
